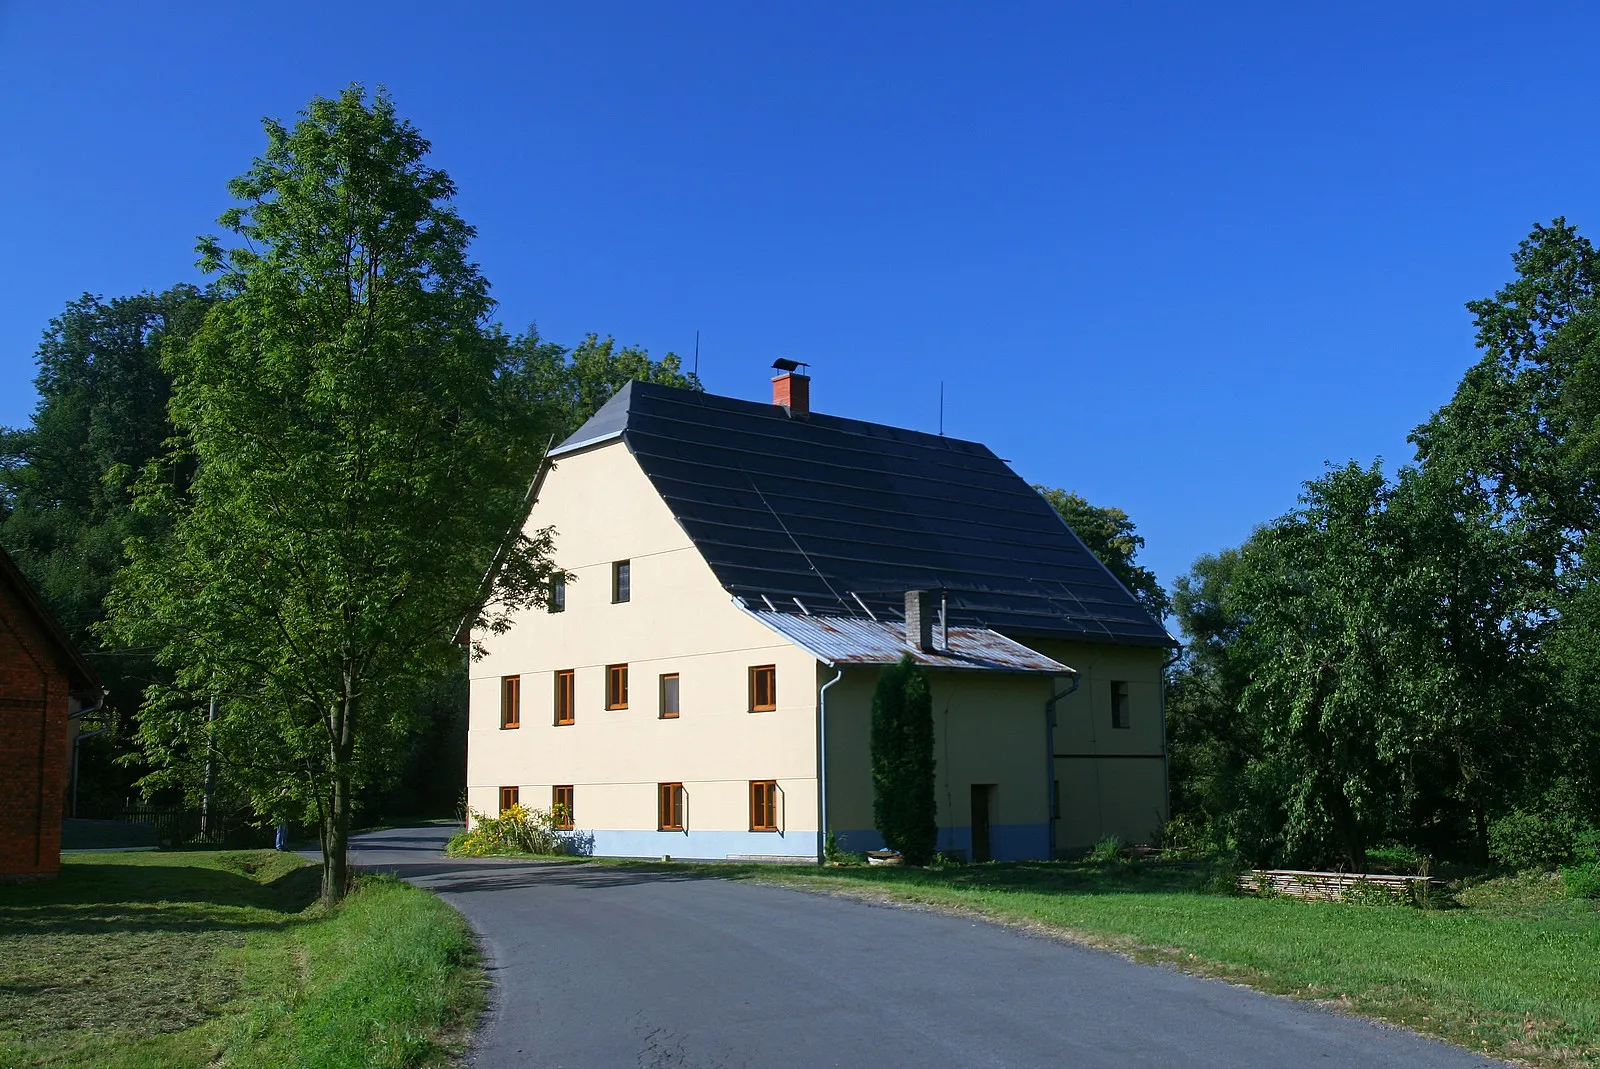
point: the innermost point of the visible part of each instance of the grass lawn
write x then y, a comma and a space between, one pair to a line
1513, 972
135, 960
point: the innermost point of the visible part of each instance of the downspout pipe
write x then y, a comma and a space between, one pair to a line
1050, 765
822, 765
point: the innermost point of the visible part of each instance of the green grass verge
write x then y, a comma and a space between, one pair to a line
130, 961
1514, 972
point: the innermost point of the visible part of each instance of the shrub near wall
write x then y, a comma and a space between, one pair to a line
520, 830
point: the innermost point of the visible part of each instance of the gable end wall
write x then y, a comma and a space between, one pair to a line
678, 620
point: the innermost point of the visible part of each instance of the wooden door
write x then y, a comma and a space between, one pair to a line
982, 798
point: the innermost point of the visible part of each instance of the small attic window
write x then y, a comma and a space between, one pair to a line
1119, 705
621, 581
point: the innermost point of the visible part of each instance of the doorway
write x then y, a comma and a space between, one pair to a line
982, 808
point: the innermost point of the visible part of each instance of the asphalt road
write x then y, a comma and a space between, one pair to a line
614, 969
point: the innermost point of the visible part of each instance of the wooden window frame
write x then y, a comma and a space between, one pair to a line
763, 804
1121, 718
509, 796
566, 713
669, 807
510, 702
561, 806
558, 594
616, 696
661, 696
771, 672
621, 581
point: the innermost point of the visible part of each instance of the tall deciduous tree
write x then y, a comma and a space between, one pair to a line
1524, 428
1112, 537
1413, 658
1525, 420
904, 805
361, 443
1320, 672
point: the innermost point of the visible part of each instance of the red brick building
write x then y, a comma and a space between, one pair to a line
43, 681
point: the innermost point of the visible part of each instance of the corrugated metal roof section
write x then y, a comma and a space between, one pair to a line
842, 640
838, 513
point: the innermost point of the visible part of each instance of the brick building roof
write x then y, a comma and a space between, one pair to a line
83, 677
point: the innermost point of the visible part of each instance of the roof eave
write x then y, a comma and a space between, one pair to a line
570, 448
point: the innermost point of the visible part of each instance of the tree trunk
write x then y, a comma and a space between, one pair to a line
336, 841
336, 818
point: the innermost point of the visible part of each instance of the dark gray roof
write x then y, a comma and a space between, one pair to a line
839, 513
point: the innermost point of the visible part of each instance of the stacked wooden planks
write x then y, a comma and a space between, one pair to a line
1336, 886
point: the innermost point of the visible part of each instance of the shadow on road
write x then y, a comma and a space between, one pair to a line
448, 879
417, 854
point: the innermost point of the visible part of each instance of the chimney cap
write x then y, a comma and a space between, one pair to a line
783, 364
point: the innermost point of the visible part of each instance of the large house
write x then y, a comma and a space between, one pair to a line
741, 574
44, 683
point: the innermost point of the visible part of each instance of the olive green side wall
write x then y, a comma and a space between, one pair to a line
988, 729
1113, 780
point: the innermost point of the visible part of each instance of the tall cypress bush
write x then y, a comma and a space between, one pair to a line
903, 804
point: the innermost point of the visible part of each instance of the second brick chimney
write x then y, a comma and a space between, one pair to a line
919, 620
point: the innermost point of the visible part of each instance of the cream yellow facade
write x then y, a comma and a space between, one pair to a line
1002, 790
678, 619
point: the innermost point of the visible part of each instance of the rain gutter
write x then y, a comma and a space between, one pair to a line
1050, 765
822, 763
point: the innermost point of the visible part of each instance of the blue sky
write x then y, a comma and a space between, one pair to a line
1171, 257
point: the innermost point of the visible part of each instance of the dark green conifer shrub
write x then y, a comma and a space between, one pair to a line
903, 803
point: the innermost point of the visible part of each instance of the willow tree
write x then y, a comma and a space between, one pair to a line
361, 441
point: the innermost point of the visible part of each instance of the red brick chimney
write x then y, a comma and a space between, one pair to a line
791, 390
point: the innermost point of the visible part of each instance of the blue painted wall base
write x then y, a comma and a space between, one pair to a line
1007, 842
706, 845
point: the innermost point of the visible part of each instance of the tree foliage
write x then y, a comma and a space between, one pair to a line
66, 495
570, 385
1211, 736
1112, 537
66, 480
1413, 658
904, 806
361, 443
